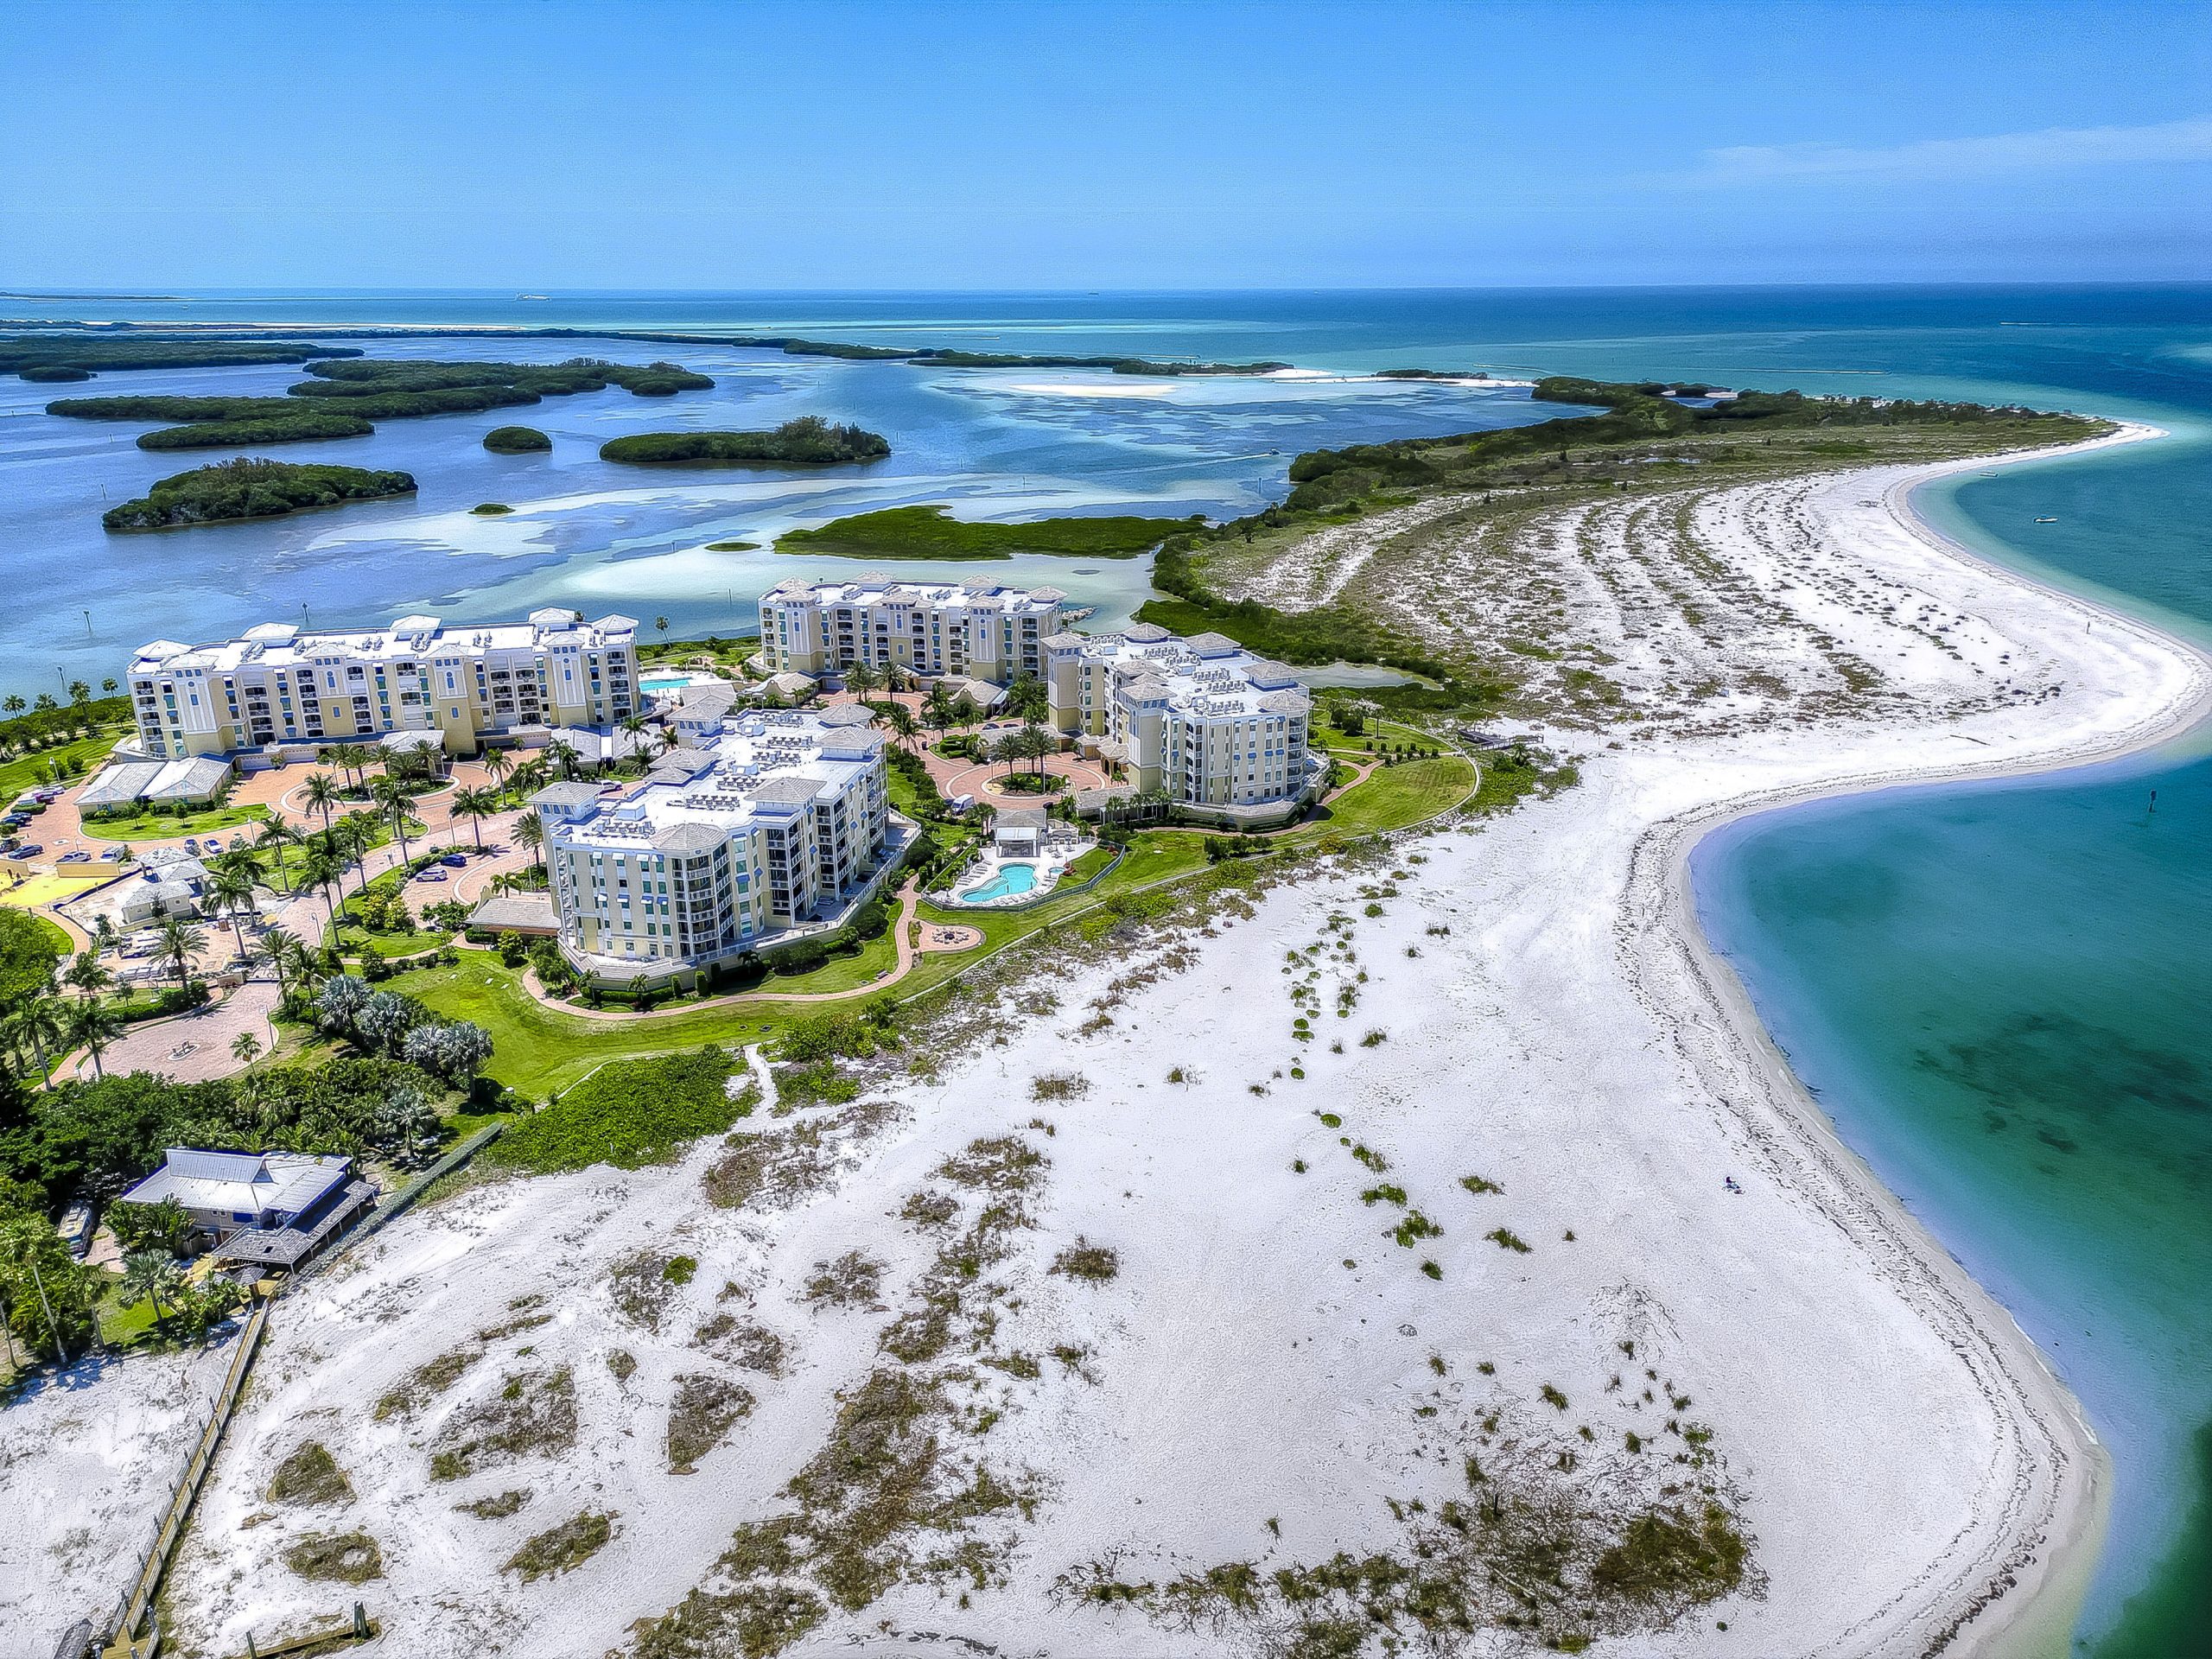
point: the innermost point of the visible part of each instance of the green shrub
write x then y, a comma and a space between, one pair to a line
627, 1114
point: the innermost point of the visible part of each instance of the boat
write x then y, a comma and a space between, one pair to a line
533, 296
2046, 521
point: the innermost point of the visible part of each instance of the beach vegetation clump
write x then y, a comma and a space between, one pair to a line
534, 1413
1386, 1193
1506, 1239
498, 1506
433, 1376
1002, 1163
344, 1557
808, 440
929, 1209
1479, 1185
309, 1476
1413, 1227
1059, 1085
853, 1279
704, 1411
1092, 1263
250, 489
644, 1282
558, 1549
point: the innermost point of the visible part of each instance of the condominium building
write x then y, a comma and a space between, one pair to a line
278, 685
779, 822
1217, 730
974, 630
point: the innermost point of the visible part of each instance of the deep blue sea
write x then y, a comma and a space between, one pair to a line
2001, 992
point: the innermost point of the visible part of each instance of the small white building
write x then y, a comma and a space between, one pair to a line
265, 1208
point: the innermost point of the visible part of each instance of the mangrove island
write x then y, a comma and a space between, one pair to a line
245, 488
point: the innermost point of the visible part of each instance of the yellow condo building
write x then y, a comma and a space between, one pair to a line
278, 687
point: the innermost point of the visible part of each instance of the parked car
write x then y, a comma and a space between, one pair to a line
30, 849
214, 845
192, 844
454, 859
79, 857
112, 855
15, 820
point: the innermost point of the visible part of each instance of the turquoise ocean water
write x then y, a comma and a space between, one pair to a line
2001, 992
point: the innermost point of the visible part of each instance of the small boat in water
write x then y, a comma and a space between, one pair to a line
533, 296
2046, 521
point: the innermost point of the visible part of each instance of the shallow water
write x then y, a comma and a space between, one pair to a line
1999, 991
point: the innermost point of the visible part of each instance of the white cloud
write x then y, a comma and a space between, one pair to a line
1957, 158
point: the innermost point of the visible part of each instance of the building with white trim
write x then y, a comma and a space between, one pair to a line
1222, 733
780, 828
278, 686
972, 630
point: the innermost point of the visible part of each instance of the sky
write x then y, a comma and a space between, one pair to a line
542, 145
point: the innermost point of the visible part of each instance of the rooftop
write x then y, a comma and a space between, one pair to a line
764, 763
410, 638
253, 1184
873, 589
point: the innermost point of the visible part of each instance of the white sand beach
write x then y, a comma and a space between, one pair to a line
1271, 1378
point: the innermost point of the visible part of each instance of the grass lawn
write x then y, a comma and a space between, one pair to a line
31, 771
1085, 865
166, 826
122, 1327
1391, 798
536, 1049
56, 940
356, 940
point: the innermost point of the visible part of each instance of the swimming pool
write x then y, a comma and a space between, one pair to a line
676, 683
1011, 880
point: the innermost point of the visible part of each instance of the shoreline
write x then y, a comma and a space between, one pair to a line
2029, 1591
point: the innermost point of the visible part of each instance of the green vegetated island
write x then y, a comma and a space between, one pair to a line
346, 397
516, 441
69, 357
930, 532
809, 440
240, 489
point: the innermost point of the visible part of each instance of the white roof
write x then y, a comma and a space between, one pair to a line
764, 763
872, 588
241, 1183
281, 645
1208, 676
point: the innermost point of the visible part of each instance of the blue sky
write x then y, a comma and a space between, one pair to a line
542, 144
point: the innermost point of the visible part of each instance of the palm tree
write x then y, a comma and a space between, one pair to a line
38, 1019
562, 754
321, 795
860, 680
937, 709
232, 889
14, 705
900, 719
245, 1049
91, 1026
319, 869
85, 974
391, 795
530, 832
498, 763
276, 947
277, 835
357, 831
178, 943
476, 806
146, 1274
